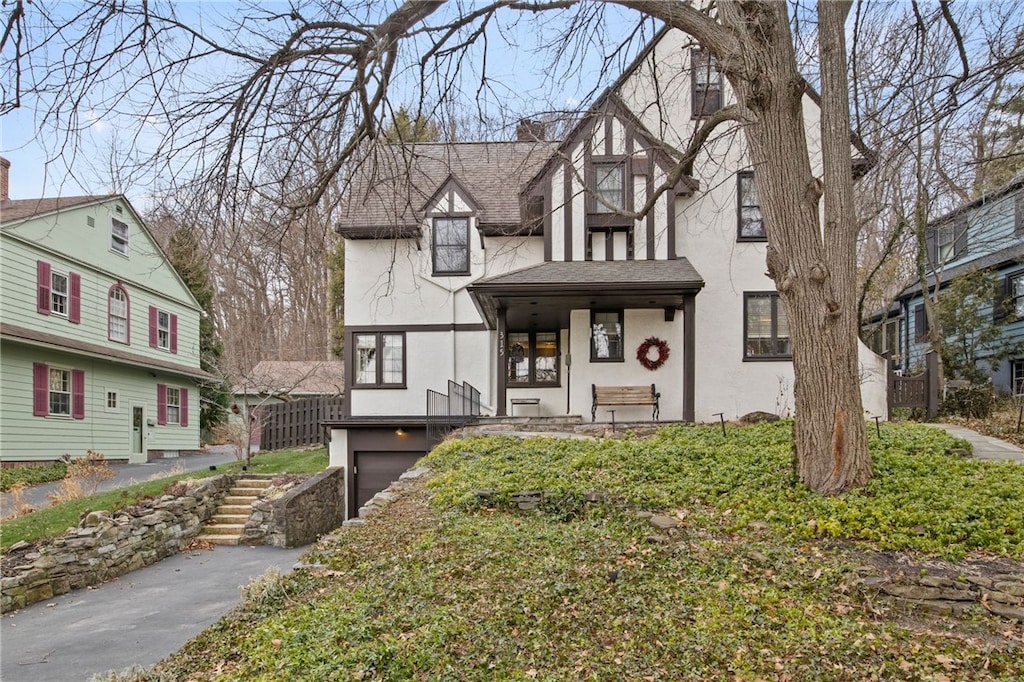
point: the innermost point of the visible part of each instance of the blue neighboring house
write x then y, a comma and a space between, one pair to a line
987, 233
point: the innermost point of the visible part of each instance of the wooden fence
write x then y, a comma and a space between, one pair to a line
919, 391
296, 423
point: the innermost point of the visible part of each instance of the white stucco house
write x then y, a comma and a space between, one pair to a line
510, 266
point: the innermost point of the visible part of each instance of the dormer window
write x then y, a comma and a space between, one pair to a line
451, 246
609, 186
706, 83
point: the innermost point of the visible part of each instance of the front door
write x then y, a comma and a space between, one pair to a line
138, 449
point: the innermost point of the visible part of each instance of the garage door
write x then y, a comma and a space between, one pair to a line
377, 470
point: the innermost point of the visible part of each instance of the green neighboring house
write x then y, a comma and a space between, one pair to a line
99, 337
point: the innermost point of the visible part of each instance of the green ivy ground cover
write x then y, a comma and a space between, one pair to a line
438, 587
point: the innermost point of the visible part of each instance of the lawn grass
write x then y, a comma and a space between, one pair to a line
441, 587
54, 520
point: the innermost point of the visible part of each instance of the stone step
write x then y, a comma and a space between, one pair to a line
232, 500
222, 518
245, 492
241, 509
254, 482
224, 528
220, 539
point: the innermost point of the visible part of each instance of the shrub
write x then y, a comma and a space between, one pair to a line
972, 402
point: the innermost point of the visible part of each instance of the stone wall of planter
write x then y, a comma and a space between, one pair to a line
108, 544
298, 515
999, 594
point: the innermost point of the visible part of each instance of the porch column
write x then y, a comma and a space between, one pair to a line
502, 363
689, 356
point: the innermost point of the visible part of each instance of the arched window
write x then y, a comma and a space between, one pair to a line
117, 315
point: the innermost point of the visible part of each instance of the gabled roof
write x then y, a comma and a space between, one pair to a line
14, 210
394, 185
298, 377
1013, 185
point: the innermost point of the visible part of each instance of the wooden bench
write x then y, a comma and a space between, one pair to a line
625, 395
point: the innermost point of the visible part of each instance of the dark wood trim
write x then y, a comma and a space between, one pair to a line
670, 217
502, 355
380, 232
378, 379
689, 357
433, 246
622, 335
449, 327
649, 219
532, 358
776, 302
609, 139
349, 370
567, 200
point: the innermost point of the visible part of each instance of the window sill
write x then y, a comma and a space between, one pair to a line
518, 385
768, 358
118, 253
467, 273
602, 360
377, 386
760, 240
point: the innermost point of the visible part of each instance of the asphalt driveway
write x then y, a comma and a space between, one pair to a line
135, 620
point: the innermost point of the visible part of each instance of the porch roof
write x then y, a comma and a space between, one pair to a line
542, 295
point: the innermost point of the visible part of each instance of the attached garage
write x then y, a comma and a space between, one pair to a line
375, 471
376, 453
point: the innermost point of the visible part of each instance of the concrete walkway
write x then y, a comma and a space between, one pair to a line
126, 474
984, 447
135, 620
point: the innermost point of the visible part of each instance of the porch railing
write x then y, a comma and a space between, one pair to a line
446, 412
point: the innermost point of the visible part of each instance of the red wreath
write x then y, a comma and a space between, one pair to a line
645, 348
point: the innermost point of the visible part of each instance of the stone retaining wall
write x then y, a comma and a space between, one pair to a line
301, 514
106, 545
1000, 594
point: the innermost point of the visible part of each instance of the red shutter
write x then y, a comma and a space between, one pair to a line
183, 419
78, 394
161, 404
174, 333
43, 285
75, 313
40, 389
152, 327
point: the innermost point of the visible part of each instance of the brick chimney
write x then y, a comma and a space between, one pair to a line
5, 179
528, 130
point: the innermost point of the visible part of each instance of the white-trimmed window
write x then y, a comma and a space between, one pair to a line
380, 359
163, 329
111, 400
173, 405
1017, 376
1016, 288
58, 293
60, 392
765, 327
117, 314
119, 236
57, 391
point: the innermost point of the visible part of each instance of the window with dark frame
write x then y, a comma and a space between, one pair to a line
379, 359
920, 323
606, 336
609, 186
1017, 376
532, 359
765, 327
751, 222
451, 246
706, 83
1015, 288
1018, 214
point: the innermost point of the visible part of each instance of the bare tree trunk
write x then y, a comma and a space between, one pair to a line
814, 266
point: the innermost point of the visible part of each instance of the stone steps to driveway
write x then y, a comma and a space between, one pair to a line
227, 524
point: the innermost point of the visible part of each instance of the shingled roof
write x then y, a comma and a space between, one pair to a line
14, 210
395, 183
294, 378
